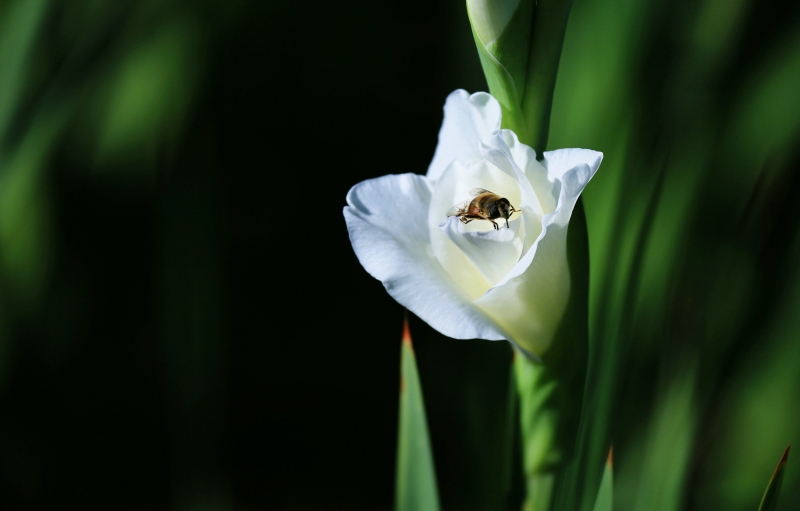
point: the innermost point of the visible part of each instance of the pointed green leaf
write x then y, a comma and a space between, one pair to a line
471, 397
416, 479
605, 495
770, 500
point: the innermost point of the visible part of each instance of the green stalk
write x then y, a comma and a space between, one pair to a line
550, 402
520, 64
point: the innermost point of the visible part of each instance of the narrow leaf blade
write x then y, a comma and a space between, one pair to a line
416, 488
769, 502
605, 495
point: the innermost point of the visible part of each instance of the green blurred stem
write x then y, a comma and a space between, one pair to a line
550, 405
550, 389
537, 387
547, 37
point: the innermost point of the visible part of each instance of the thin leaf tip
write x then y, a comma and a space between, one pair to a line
406, 331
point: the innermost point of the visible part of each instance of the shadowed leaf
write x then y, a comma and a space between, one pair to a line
416, 479
770, 500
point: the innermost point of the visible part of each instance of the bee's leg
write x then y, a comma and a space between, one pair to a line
466, 220
494, 224
507, 223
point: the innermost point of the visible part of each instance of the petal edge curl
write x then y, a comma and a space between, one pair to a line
468, 119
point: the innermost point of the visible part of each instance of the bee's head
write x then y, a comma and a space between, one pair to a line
501, 208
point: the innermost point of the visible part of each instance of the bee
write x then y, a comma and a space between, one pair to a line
485, 205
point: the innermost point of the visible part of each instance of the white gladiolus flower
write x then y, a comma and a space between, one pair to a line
470, 280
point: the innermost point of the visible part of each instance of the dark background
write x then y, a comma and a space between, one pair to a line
204, 335
184, 325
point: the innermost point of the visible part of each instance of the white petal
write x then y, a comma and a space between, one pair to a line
494, 253
387, 219
530, 305
467, 120
562, 160
525, 158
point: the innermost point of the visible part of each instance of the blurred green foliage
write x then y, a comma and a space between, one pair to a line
693, 235
111, 84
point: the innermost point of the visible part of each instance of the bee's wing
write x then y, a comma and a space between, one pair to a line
477, 191
458, 209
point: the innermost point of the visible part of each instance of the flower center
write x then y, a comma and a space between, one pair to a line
475, 254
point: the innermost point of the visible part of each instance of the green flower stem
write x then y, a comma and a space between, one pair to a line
539, 416
551, 390
520, 65
549, 413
